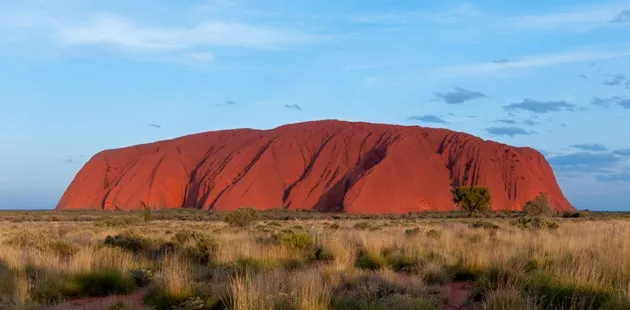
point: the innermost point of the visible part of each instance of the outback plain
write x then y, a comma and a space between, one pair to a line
247, 259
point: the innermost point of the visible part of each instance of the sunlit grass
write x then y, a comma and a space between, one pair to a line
367, 263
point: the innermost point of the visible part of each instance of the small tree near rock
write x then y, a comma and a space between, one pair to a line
473, 199
147, 214
539, 206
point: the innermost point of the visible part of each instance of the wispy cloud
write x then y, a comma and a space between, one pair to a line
577, 18
622, 17
227, 103
508, 131
506, 121
538, 106
370, 65
616, 79
622, 177
69, 161
606, 102
534, 61
595, 147
457, 15
623, 102
459, 95
117, 31
501, 61
200, 56
622, 152
370, 80
585, 162
76, 24
293, 107
427, 119
531, 122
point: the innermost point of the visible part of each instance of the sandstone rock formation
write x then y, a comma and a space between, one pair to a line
323, 165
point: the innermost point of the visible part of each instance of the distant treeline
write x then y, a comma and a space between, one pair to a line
272, 214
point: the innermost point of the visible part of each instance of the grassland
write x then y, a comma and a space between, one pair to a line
303, 260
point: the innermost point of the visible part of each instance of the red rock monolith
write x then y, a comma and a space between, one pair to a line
324, 165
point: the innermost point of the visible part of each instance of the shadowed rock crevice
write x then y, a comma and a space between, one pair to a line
287, 192
332, 200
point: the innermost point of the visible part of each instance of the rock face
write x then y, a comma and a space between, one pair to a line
322, 165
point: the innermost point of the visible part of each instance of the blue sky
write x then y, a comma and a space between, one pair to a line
77, 77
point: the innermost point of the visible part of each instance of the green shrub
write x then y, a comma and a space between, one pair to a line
202, 252
557, 294
142, 277
400, 262
539, 206
473, 200
147, 215
373, 291
101, 282
8, 289
361, 225
527, 222
47, 289
199, 303
323, 254
433, 233
129, 242
185, 235
117, 221
579, 214
161, 299
370, 260
37, 241
435, 274
274, 224
296, 240
241, 217
464, 272
293, 263
553, 225
412, 231
484, 225
247, 264
63, 248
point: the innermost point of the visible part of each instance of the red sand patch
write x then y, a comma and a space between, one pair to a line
103, 303
322, 165
458, 293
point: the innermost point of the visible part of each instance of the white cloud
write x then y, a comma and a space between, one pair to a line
120, 32
457, 15
370, 80
369, 66
577, 19
535, 61
201, 56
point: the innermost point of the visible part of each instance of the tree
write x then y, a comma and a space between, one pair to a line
539, 206
472, 199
